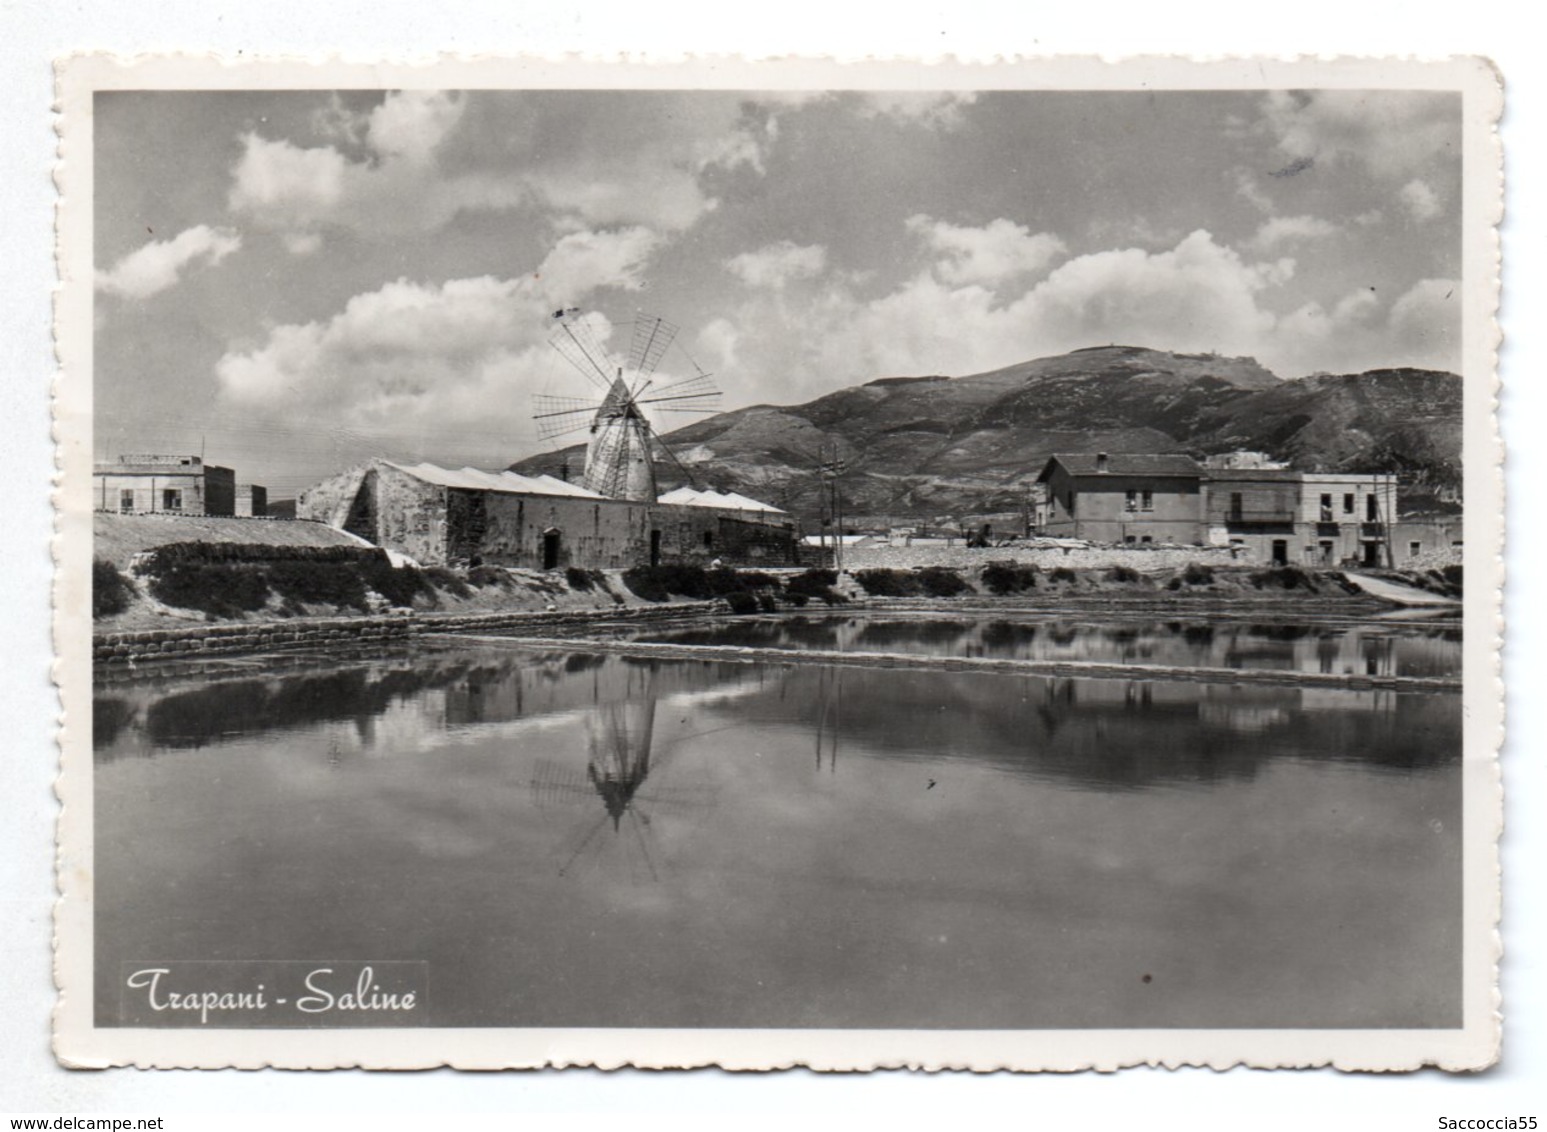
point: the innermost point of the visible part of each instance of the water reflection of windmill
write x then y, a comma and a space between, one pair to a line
621, 755
623, 393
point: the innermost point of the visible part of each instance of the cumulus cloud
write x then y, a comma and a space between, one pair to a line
1393, 133
998, 252
940, 109
158, 265
1199, 295
429, 155
582, 261
294, 189
413, 359
778, 264
1426, 320
411, 124
1282, 230
1421, 202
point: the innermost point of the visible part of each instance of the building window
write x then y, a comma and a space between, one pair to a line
1147, 500
1348, 503
1235, 506
1326, 508
1414, 549
171, 499
1145, 540
708, 540
1371, 509
126, 500
1131, 501
1129, 539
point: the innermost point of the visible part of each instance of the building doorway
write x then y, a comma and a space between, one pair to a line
1372, 554
655, 548
1280, 552
552, 542
1326, 553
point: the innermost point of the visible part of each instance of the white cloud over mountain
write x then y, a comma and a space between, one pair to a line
996, 253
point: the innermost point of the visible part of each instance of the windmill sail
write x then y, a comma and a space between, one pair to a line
614, 413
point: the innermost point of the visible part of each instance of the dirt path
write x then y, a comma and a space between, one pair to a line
1397, 593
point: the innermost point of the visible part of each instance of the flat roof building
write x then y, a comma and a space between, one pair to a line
165, 484
1269, 514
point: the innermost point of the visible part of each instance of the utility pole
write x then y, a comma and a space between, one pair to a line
833, 468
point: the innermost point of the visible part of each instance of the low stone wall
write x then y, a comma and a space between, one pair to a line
269, 636
256, 636
961, 557
474, 622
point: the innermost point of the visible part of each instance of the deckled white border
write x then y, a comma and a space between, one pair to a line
78, 1043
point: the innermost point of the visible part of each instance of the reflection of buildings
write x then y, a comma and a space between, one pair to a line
1368, 649
1114, 733
605, 728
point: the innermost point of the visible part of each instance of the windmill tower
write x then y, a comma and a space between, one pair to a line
619, 395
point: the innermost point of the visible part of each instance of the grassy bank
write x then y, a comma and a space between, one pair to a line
197, 581
213, 582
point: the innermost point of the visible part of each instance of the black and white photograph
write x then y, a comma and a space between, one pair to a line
603, 569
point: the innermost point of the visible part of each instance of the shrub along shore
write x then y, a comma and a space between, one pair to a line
223, 582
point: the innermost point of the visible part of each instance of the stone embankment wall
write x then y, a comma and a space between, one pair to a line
269, 636
962, 557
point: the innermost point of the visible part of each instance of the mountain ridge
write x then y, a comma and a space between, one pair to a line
931, 446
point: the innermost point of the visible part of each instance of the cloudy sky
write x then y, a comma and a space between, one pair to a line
297, 280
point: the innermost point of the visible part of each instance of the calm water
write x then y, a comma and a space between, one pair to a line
1366, 649
579, 840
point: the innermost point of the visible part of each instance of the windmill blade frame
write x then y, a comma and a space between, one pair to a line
557, 415
652, 337
577, 344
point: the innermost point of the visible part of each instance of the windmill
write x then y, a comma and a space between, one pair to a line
619, 396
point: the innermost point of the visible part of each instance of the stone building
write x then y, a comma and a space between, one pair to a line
1308, 518
438, 516
178, 485
252, 501
1141, 499
1274, 515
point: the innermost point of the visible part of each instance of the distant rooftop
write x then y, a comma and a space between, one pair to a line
475, 479
693, 497
156, 464
1124, 464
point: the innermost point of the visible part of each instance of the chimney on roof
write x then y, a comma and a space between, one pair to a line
1101, 462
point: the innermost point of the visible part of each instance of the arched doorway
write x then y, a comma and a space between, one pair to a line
552, 543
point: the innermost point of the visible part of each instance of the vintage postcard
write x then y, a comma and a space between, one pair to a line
778, 564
